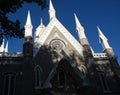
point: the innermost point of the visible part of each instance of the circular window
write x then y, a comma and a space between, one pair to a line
57, 44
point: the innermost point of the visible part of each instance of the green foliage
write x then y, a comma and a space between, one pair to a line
9, 28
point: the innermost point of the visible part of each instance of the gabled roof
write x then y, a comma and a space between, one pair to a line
55, 23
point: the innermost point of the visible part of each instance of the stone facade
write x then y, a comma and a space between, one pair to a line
57, 64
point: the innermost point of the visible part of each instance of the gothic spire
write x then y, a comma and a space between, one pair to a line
39, 29
41, 24
28, 22
79, 28
51, 10
101, 34
102, 39
6, 48
28, 26
2, 47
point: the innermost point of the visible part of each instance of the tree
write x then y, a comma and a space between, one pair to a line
8, 28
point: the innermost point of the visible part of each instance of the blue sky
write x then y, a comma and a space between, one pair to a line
91, 13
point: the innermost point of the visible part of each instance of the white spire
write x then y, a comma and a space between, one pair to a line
39, 29
51, 10
2, 47
79, 28
102, 39
77, 22
6, 48
28, 22
28, 26
101, 35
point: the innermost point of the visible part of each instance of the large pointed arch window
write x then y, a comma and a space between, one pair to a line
38, 73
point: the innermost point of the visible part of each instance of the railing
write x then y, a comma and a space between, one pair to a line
99, 55
11, 54
19, 54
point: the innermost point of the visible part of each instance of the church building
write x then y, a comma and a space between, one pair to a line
55, 63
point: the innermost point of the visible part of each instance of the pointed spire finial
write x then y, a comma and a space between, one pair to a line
28, 26
79, 28
102, 39
28, 22
78, 25
6, 48
51, 10
41, 22
101, 35
2, 47
51, 6
39, 29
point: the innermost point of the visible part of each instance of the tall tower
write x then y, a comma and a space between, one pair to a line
104, 42
110, 53
87, 52
83, 38
28, 66
28, 45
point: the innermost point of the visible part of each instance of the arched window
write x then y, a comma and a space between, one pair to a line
38, 73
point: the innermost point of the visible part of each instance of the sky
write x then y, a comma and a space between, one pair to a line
91, 13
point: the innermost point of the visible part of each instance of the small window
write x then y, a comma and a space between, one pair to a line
103, 81
9, 84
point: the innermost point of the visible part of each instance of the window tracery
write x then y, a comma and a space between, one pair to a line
57, 44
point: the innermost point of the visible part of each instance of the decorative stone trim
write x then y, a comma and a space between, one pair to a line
55, 23
96, 55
